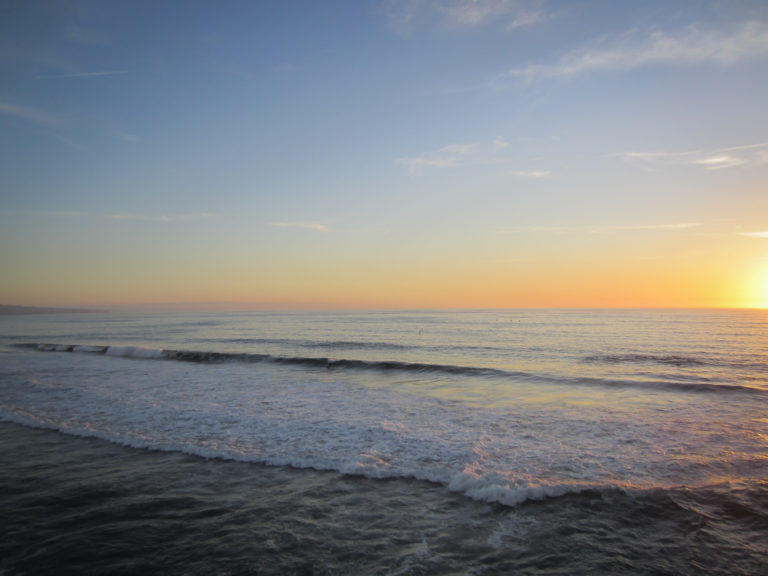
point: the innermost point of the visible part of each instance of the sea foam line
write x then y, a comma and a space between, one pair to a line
473, 486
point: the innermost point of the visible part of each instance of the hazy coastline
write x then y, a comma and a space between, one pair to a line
9, 310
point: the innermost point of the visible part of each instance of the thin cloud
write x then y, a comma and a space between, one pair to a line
603, 229
46, 213
531, 174
719, 162
763, 234
404, 14
445, 157
466, 13
84, 74
33, 115
528, 18
109, 215
303, 225
414, 164
629, 228
652, 156
126, 136
160, 217
70, 143
458, 149
717, 159
500, 143
692, 45
486, 153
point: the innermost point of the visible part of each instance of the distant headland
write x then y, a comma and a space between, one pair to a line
7, 310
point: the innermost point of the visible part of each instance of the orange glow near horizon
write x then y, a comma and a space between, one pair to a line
375, 285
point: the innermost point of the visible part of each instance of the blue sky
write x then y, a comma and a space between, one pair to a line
384, 153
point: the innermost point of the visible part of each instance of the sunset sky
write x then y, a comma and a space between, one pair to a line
435, 153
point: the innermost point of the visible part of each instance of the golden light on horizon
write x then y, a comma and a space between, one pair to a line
764, 288
755, 287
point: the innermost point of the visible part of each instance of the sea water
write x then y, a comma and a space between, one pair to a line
414, 442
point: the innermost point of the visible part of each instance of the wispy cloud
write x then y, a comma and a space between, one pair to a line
110, 215
84, 74
46, 213
420, 161
160, 217
403, 14
716, 159
475, 154
126, 137
719, 162
500, 143
70, 143
532, 174
304, 225
514, 13
603, 229
447, 156
635, 49
629, 228
763, 234
33, 115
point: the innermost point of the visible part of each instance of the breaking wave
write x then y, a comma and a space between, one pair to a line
330, 363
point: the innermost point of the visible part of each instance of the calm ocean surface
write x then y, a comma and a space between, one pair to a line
478, 442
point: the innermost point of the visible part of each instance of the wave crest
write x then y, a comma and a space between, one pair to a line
329, 363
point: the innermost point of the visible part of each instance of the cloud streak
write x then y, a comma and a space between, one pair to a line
476, 154
110, 216
447, 156
716, 159
604, 229
466, 13
763, 234
531, 174
403, 14
301, 225
84, 74
34, 115
692, 45
160, 217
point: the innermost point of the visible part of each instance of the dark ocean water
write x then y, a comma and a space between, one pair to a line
494, 442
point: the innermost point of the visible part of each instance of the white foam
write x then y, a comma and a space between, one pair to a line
328, 421
134, 352
88, 349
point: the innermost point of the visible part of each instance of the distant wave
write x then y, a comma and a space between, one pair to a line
210, 357
341, 344
676, 360
665, 359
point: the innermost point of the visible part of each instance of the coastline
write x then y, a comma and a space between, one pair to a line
10, 310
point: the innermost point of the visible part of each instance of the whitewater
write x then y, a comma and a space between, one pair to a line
539, 414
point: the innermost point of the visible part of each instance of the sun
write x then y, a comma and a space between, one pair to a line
754, 288
763, 289
764, 302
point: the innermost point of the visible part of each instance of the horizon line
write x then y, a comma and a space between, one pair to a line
230, 306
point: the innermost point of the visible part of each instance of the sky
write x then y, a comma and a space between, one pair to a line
384, 154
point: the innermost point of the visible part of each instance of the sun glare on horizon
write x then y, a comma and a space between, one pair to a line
763, 303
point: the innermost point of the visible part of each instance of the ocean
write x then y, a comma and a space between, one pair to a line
385, 442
